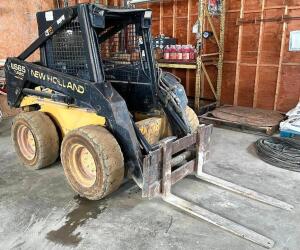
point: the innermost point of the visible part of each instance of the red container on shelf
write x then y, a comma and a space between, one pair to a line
178, 52
173, 52
167, 53
185, 53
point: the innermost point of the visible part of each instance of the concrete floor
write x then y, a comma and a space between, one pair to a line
38, 210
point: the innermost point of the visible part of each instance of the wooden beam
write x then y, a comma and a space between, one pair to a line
239, 55
199, 72
177, 66
266, 8
221, 53
161, 23
282, 50
188, 40
174, 18
260, 43
174, 32
202, 75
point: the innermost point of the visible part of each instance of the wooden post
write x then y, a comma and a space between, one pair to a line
198, 84
188, 40
239, 54
260, 43
221, 53
174, 18
161, 23
174, 32
283, 41
167, 168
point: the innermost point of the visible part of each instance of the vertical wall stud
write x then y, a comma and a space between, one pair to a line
258, 62
239, 55
283, 41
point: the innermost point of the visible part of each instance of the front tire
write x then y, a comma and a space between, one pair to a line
93, 162
35, 139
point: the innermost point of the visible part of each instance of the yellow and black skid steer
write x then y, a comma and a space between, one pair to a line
98, 99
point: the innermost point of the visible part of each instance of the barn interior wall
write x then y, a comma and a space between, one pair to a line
259, 71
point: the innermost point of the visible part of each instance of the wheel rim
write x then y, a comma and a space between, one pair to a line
26, 142
83, 165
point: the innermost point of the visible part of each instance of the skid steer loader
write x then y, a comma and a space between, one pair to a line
98, 99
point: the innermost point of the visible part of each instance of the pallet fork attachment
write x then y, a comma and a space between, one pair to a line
167, 156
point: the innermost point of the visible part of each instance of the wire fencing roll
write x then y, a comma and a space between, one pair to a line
279, 152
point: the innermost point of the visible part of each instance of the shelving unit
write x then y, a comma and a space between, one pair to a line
204, 59
202, 75
177, 64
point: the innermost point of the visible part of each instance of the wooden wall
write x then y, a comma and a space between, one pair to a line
176, 19
259, 71
18, 27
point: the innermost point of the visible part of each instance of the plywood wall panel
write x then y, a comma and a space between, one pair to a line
194, 8
181, 31
190, 88
271, 38
181, 73
233, 5
167, 28
250, 41
155, 10
289, 88
181, 9
167, 9
228, 83
18, 27
252, 5
155, 28
266, 87
246, 86
231, 37
272, 3
293, 2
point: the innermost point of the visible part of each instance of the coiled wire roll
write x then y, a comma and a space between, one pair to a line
279, 152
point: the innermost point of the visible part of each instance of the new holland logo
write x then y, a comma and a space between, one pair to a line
55, 80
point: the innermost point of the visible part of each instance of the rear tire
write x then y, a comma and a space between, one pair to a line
35, 139
93, 162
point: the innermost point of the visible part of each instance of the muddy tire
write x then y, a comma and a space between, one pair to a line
192, 118
35, 139
93, 162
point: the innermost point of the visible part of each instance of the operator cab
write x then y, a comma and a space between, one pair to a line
119, 50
